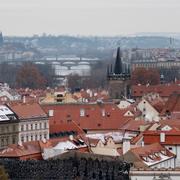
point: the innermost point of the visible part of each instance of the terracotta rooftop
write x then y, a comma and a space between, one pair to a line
164, 90
28, 148
172, 105
134, 125
65, 126
172, 137
88, 116
27, 110
148, 155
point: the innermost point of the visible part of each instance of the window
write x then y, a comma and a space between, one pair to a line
14, 127
36, 137
27, 138
40, 137
36, 126
45, 136
40, 125
7, 140
31, 127
22, 128
2, 142
14, 139
31, 137
27, 127
2, 116
170, 148
22, 138
45, 125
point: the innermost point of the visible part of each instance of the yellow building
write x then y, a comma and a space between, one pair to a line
58, 97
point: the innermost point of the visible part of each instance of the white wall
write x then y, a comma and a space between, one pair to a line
148, 111
148, 175
175, 149
165, 164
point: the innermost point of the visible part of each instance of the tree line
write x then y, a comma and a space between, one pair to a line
66, 169
26, 75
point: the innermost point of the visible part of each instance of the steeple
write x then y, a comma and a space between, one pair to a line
118, 63
118, 78
108, 70
1, 38
111, 69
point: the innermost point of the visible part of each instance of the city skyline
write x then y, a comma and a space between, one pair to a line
85, 17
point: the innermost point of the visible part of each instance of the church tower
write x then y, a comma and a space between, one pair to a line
118, 78
1, 39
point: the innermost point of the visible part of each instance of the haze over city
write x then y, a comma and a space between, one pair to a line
89, 89
88, 17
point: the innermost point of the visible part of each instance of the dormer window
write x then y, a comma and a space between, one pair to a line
163, 152
145, 158
156, 154
82, 112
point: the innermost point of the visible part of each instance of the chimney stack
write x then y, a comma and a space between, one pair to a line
24, 99
51, 113
126, 144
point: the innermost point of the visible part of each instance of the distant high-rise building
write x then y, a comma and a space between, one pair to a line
1, 39
119, 78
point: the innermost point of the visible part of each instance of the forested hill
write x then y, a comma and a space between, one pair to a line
93, 42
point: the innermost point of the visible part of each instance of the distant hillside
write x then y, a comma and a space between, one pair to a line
99, 42
93, 46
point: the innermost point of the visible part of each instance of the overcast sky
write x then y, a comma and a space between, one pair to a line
88, 17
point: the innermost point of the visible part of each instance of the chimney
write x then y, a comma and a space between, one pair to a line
162, 137
24, 99
126, 144
103, 112
71, 138
51, 113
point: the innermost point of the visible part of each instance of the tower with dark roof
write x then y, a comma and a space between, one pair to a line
119, 78
1, 39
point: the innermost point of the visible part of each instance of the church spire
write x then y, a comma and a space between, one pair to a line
1, 38
108, 70
118, 63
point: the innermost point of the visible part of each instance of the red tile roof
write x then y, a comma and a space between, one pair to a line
147, 149
172, 105
94, 119
173, 123
172, 137
147, 155
65, 126
134, 125
137, 138
164, 90
27, 110
28, 148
